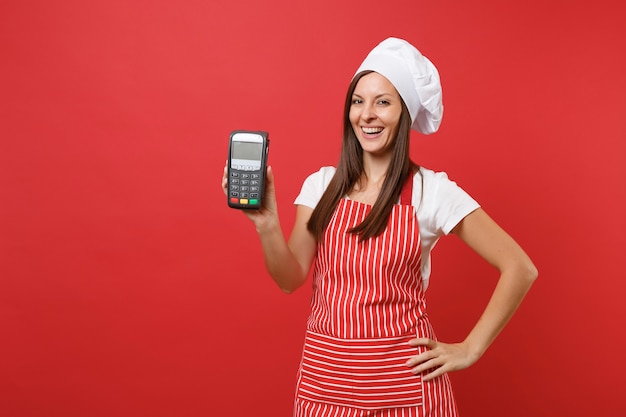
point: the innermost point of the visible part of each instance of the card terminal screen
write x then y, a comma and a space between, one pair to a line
247, 150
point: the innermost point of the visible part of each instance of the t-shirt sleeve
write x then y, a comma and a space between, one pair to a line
457, 204
443, 203
314, 186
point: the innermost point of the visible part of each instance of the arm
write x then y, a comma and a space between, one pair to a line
517, 273
287, 263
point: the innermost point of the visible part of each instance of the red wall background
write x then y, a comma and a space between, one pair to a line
128, 288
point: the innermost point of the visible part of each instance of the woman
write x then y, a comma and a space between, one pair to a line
367, 228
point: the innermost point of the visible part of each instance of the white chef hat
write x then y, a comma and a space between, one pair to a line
415, 78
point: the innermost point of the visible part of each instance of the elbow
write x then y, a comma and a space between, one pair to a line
530, 272
522, 271
287, 291
289, 288
291, 282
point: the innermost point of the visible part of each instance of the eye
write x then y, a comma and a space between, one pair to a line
383, 102
357, 101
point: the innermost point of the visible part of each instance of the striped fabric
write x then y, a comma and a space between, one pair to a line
314, 409
367, 304
363, 373
369, 289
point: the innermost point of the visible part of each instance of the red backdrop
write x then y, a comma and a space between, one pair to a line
129, 288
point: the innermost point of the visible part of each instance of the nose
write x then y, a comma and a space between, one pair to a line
368, 112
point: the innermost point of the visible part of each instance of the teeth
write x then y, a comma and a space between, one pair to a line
372, 129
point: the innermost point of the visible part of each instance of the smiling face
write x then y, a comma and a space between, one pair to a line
375, 112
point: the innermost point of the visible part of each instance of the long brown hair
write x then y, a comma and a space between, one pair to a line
350, 169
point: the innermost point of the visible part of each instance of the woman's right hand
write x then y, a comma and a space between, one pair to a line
267, 215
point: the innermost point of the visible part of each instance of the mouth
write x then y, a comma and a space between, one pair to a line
371, 130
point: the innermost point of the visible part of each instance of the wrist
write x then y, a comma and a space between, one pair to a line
268, 227
474, 349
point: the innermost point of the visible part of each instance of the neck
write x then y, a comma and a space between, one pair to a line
375, 169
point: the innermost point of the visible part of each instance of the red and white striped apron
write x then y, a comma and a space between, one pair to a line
367, 303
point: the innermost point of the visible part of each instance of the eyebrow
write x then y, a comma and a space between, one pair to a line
377, 96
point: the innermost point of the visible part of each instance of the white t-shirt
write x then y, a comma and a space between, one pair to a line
440, 206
